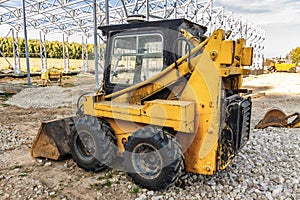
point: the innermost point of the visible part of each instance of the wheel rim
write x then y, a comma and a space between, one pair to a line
147, 161
86, 144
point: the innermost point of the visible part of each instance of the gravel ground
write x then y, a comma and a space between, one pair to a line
53, 96
268, 166
43, 97
11, 139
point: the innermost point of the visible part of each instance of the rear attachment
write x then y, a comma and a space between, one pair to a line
52, 139
277, 118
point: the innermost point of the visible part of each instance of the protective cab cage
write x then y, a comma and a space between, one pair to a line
167, 30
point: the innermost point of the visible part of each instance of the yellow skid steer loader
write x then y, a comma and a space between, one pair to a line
171, 101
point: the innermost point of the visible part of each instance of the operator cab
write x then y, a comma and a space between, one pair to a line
137, 51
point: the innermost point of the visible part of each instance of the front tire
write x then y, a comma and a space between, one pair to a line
92, 143
153, 158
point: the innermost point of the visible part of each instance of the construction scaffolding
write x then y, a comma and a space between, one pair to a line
82, 17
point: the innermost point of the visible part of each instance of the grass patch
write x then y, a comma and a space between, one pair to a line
98, 186
78, 177
23, 174
16, 167
6, 96
4, 104
292, 198
54, 194
108, 183
135, 190
110, 175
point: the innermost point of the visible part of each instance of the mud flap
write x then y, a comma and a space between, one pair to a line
52, 139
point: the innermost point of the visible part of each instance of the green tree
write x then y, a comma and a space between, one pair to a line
54, 48
296, 54
6, 48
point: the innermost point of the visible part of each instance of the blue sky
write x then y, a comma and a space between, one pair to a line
280, 19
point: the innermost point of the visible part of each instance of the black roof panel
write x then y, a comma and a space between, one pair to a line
169, 24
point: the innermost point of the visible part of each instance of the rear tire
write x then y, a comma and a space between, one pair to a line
92, 143
292, 70
153, 158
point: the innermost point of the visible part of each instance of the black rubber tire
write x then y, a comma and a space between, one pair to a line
100, 139
292, 70
167, 150
272, 69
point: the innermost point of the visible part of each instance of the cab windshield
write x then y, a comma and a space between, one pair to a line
136, 58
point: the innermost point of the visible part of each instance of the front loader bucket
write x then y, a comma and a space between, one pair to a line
52, 139
273, 117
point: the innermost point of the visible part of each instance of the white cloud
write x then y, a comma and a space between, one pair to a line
281, 39
280, 19
264, 11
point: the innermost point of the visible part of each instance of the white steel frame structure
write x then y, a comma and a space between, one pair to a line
83, 16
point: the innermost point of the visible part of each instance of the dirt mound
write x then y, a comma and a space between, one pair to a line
43, 97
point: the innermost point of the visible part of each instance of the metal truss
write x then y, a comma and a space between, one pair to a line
1, 53
51, 15
201, 12
65, 46
85, 54
76, 16
43, 51
16, 52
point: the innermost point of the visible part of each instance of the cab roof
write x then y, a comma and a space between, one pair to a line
174, 24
